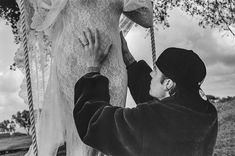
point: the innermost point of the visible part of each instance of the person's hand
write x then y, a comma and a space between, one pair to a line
91, 45
127, 57
124, 44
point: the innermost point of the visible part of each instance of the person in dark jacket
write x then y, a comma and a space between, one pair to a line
172, 117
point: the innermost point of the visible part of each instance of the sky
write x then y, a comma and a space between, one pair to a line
10, 81
215, 49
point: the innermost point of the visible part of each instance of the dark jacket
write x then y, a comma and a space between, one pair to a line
171, 127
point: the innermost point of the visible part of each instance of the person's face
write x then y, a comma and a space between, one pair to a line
157, 89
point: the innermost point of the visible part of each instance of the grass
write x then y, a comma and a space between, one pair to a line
14, 145
225, 145
15, 142
19, 145
20, 153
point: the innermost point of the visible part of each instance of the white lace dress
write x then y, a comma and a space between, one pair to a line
64, 21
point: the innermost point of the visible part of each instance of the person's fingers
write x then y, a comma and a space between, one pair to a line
84, 39
89, 37
123, 40
121, 35
96, 38
107, 50
81, 42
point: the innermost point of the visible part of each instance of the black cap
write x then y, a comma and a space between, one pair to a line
182, 66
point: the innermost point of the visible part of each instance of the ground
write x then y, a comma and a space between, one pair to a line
18, 146
14, 145
225, 144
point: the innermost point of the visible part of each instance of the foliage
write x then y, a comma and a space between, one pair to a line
214, 99
7, 126
9, 11
212, 13
4, 126
161, 9
226, 99
12, 126
22, 119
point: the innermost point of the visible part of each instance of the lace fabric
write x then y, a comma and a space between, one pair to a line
57, 61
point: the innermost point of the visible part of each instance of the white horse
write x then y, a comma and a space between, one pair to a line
63, 21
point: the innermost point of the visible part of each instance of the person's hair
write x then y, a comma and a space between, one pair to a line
172, 90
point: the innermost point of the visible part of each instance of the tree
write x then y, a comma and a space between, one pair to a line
12, 127
212, 13
4, 126
2, 130
9, 11
7, 126
22, 119
226, 99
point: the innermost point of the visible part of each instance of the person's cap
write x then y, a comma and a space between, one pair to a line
182, 66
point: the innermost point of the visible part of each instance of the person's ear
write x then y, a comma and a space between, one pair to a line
169, 84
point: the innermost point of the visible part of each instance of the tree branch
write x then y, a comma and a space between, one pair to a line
226, 23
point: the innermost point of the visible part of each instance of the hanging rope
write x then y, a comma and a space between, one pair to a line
28, 80
153, 47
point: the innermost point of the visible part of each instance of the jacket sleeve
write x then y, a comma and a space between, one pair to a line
139, 80
210, 140
111, 130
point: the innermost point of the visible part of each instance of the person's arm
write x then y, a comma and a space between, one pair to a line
139, 78
111, 130
210, 140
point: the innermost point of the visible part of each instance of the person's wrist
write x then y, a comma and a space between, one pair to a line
93, 67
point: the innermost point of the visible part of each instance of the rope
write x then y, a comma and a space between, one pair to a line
153, 47
28, 80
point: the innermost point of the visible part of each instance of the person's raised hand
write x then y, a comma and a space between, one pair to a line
124, 44
91, 44
127, 57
